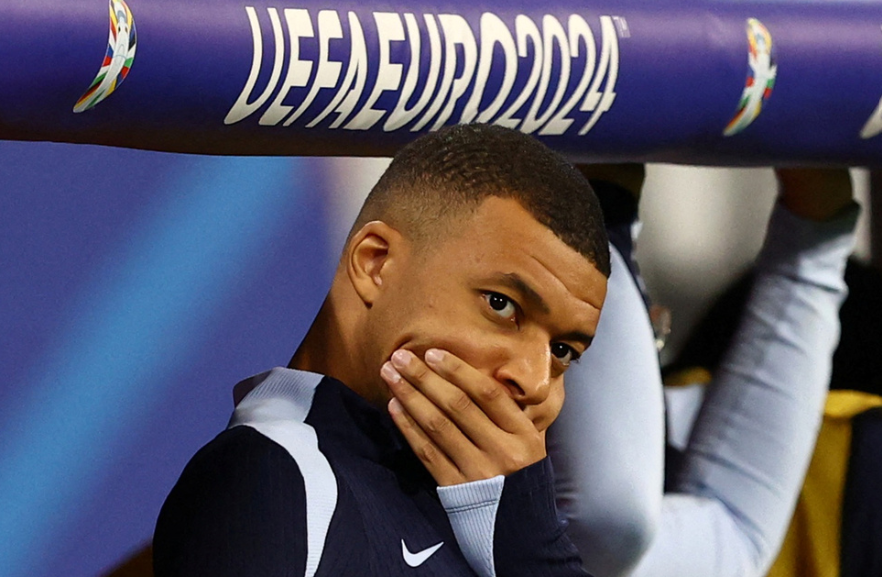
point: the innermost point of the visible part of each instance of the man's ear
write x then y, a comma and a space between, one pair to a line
371, 257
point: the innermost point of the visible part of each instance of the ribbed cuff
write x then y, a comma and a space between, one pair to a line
471, 508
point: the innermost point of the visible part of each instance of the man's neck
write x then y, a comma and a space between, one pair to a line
318, 345
328, 349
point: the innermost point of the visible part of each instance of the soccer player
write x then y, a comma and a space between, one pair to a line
407, 435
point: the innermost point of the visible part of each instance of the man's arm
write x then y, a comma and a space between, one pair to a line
607, 446
611, 495
234, 501
747, 455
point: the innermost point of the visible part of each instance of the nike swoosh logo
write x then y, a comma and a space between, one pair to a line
417, 559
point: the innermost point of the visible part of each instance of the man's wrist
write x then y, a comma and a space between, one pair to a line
819, 195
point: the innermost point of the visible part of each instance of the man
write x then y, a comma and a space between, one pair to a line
407, 435
731, 495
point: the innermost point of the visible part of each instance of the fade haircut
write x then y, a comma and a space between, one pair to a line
439, 179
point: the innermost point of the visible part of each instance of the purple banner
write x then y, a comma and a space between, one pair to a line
730, 83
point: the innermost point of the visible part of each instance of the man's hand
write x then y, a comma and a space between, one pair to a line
815, 193
461, 424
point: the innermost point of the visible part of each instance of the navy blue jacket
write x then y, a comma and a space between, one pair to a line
311, 480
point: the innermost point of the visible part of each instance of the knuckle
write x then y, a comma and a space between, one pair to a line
453, 366
428, 453
490, 392
420, 371
437, 425
527, 452
460, 403
405, 394
516, 462
535, 442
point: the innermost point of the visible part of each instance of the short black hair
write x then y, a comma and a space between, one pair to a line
450, 172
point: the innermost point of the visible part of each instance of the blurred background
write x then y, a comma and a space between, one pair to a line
136, 288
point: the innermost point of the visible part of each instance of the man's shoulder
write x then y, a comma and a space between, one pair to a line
241, 484
235, 443
237, 458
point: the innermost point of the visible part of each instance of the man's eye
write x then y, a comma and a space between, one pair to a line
501, 305
565, 354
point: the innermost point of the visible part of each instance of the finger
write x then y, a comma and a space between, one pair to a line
438, 426
446, 399
486, 392
439, 465
489, 452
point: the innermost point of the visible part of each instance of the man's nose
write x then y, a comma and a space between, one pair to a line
527, 375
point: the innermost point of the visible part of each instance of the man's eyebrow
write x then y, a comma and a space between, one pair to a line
515, 282
577, 336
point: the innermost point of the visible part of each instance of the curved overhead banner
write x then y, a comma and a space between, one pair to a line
710, 82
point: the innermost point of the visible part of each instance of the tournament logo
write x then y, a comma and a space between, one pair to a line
121, 45
406, 71
761, 74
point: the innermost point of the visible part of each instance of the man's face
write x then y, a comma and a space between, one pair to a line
502, 293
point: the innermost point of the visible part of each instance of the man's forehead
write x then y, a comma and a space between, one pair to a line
513, 229
574, 272
520, 218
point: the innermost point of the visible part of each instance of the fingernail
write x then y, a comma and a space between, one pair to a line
401, 358
389, 373
395, 407
434, 356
